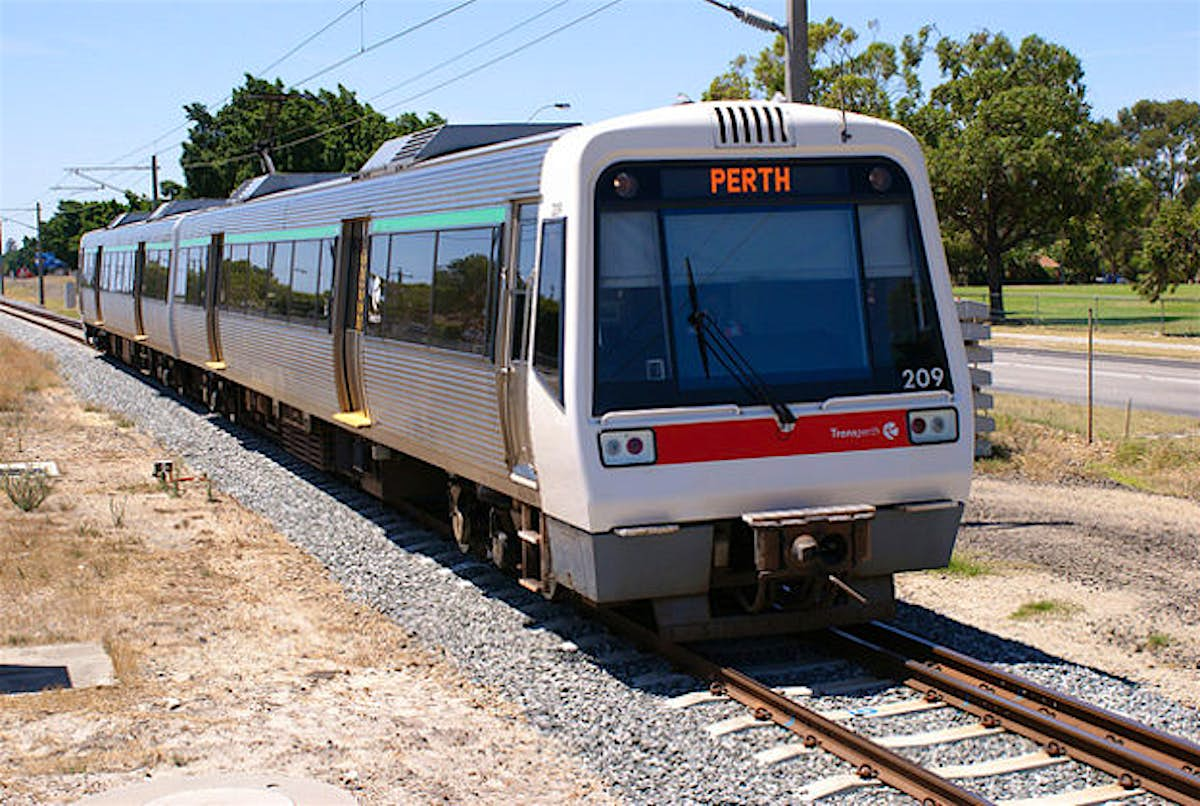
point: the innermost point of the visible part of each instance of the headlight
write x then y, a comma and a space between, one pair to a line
619, 448
932, 425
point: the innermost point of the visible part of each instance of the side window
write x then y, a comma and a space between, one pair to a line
460, 289
280, 281
306, 263
377, 267
197, 275
234, 277
325, 278
408, 289
548, 331
154, 275
258, 277
525, 259
181, 273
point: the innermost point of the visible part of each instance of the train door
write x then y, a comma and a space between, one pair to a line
350, 291
512, 349
212, 290
97, 271
139, 272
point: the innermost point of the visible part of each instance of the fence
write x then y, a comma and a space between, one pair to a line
1171, 316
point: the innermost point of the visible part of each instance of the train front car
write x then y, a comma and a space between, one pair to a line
753, 404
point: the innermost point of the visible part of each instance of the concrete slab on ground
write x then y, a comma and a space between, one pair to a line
26, 669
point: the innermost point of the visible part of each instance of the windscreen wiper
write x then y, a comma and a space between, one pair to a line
708, 333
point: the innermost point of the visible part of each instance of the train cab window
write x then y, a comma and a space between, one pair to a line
524, 260
462, 279
279, 282
548, 327
306, 265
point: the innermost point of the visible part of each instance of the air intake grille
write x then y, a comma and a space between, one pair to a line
750, 126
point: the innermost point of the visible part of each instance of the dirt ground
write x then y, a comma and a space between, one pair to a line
1105, 577
233, 649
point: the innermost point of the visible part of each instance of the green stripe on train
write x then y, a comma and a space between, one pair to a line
483, 216
300, 234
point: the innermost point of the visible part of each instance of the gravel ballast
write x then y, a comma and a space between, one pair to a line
602, 699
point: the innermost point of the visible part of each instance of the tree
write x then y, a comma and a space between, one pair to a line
60, 235
1165, 141
1010, 145
1170, 250
844, 75
265, 127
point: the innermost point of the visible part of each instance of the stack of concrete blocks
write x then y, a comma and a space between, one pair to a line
973, 317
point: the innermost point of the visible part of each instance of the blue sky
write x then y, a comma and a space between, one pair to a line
95, 83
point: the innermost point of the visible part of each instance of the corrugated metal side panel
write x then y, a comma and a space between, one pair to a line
429, 402
118, 314
154, 319
456, 183
87, 298
191, 333
291, 363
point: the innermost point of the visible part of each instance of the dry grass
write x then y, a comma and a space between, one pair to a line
25, 289
1045, 440
25, 371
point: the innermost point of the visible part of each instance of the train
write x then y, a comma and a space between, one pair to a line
701, 362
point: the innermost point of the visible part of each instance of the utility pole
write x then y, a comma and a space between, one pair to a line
795, 39
154, 178
798, 77
38, 260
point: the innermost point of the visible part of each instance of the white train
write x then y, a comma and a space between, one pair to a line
703, 357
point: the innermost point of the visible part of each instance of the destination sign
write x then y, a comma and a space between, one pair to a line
734, 180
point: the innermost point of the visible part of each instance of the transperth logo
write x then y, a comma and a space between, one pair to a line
890, 430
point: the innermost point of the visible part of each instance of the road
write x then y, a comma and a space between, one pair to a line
1153, 384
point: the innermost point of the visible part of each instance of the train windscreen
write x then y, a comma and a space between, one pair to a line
742, 283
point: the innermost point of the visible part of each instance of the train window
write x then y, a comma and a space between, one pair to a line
525, 258
460, 289
235, 277
376, 283
280, 280
631, 326
181, 273
325, 278
257, 279
197, 275
154, 275
548, 326
408, 289
306, 265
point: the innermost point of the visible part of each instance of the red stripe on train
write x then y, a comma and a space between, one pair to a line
761, 438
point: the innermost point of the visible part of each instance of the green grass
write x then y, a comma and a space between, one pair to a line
1044, 608
1115, 308
963, 565
1044, 441
1158, 640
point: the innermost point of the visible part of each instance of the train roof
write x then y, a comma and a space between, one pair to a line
436, 141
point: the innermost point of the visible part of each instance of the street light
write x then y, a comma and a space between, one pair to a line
795, 37
544, 107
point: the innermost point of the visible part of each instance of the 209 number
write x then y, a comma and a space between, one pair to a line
923, 378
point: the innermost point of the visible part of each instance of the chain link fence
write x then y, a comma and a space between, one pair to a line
1170, 316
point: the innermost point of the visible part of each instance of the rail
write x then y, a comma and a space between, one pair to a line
63, 325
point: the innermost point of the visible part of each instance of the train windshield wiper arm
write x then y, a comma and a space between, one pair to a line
709, 334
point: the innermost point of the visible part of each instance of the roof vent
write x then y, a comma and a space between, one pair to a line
401, 152
750, 126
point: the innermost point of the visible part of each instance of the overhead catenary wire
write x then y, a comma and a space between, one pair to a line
293, 51
388, 40
465, 74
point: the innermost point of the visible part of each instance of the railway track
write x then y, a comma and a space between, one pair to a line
1140, 760
63, 325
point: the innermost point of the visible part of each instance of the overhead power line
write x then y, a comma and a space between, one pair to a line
465, 74
296, 49
382, 42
